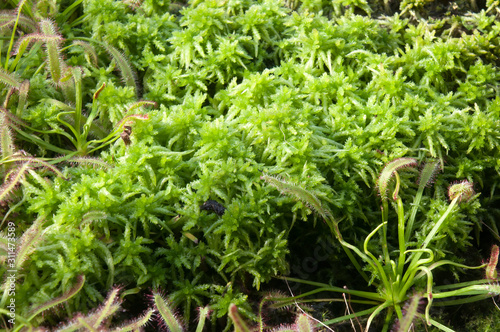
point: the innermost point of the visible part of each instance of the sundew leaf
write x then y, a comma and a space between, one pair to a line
36, 162
111, 305
388, 172
491, 268
128, 74
135, 325
410, 311
166, 313
299, 193
239, 323
56, 65
63, 298
304, 324
428, 173
89, 161
29, 242
9, 79
12, 180
6, 138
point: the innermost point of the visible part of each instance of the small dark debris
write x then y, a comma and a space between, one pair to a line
213, 206
127, 130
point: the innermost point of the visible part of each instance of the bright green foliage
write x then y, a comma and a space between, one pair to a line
323, 93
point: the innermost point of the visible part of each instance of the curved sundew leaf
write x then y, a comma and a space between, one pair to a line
388, 172
140, 104
428, 173
8, 19
136, 324
36, 162
9, 79
12, 180
111, 305
299, 193
63, 298
167, 315
129, 118
89, 50
303, 324
14, 121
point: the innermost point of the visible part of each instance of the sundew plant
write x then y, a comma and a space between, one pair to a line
134, 135
396, 278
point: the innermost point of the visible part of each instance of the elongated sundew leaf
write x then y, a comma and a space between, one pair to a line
89, 51
23, 96
300, 194
8, 95
36, 162
167, 316
93, 321
74, 325
457, 193
128, 74
204, 313
109, 307
239, 324
124, 66
304, 324
24, 41
90, 161
136, 324
93, 215
9, 18
388, 172
12, 180
54, 56
428, 173
80, 281
6, 141
9, 79
128, 119
491, 268
140, 104
13, 120
410, 312
108, 259
28, 242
